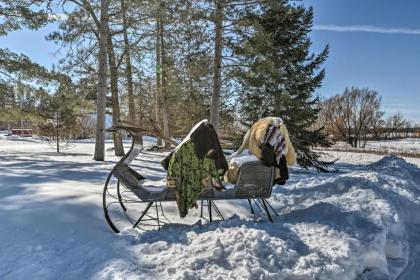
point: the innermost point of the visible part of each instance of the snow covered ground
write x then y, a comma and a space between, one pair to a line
408, 146
360, 222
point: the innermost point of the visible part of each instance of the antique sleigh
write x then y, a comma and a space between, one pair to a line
254, 183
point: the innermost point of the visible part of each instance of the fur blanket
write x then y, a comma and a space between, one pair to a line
252, 142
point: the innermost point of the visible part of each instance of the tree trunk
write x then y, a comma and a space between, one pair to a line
217, 71
57, 124
140, 101
164, 102
113, 71
102, 83
364, 139
158, 82
128, 70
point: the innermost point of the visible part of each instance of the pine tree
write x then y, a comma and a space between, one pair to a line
218, 52
279, 75
18, 14
60, 112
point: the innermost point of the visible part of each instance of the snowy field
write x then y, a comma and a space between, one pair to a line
360, 222
408, 146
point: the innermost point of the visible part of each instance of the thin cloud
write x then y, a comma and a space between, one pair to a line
365, 28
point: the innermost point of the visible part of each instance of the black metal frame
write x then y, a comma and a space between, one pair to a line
265, 205
121, 200
144, 217
150, 218
210, 204
105, 205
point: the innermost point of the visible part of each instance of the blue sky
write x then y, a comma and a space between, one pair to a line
373, 44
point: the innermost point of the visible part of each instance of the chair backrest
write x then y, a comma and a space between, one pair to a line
127, 176
122, 170
135, 149
254, 180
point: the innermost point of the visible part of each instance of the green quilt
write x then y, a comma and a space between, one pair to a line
188, 171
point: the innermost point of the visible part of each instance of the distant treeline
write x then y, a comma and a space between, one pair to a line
355, 116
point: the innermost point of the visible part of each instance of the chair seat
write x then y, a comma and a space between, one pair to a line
153, 185
255, 180
151, 190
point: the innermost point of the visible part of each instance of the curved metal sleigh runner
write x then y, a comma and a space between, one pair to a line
124, 186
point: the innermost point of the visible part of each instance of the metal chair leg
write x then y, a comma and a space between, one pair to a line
217, 211
266, 211
161, 209
250, 205
269, 205
209, 207
144, 213
256, 203
201, 211
260, 202
157, 215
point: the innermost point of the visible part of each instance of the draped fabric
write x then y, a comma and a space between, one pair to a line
275, 139
206, 143
267, 140
188, 172
195, 164
274, 153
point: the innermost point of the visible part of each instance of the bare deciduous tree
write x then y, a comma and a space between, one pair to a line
352, 114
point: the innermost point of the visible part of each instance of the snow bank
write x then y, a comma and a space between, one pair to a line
340, 227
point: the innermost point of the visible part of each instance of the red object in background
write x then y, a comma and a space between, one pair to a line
18, 131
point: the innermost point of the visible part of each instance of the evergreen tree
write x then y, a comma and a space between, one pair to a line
189, 64
17, 14
278, 74
60, 114
19, 77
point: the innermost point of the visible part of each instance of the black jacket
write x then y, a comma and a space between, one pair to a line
206, 142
